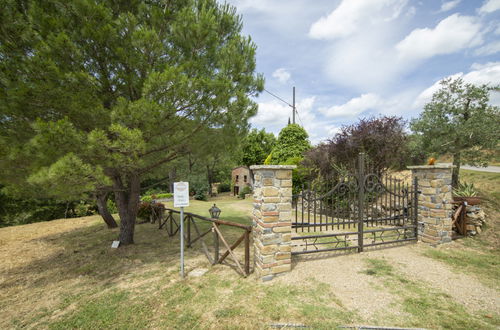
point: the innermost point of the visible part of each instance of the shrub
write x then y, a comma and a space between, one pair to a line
146, 209
465, 190
244, 191
224, 187
153, 191
200, 195
111, 206
147, 199
83, 209
200, 191
164, 195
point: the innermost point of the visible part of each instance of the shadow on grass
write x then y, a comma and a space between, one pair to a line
87, 252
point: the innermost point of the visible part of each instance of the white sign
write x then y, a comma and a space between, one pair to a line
115, 244
181, 194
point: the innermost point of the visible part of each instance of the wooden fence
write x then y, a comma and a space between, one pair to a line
193, 235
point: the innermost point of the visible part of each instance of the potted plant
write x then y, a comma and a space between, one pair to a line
465, 192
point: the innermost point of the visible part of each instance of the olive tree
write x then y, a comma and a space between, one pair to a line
460, 121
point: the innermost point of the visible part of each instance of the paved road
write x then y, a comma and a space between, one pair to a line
491, 169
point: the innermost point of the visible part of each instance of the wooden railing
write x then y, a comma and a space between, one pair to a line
193, 234
458, 218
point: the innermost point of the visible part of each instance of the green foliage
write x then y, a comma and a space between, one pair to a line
83, 209
465, 189
244, 191
292, 142
164, 195
460, 121
137, 85
146, 209
199, 191
256, 146
299, 175
414, 152
22, 210
111, 206
150, 198
268, 159
224, 187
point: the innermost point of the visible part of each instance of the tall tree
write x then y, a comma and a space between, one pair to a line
292, 142
256, 146
460, 121
382, 139
105, 93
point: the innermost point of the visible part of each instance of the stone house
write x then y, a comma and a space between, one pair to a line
241, 177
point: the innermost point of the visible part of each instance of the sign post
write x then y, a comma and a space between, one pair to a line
181, 199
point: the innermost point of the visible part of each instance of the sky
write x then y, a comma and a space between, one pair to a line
350, 59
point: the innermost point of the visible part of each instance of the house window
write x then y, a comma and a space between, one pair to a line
237, 178
245, 178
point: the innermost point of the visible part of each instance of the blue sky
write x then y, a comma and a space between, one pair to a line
356, 58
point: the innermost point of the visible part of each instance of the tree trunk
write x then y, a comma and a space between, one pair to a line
209, 179
456, 170
102, 206
127, 201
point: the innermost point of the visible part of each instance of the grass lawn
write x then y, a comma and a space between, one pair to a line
63, 274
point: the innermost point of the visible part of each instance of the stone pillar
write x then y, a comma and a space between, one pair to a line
272, 219
434, 202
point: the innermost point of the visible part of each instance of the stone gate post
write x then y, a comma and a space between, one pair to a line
272, 219
434, 202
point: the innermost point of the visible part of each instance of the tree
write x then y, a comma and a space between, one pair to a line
292, 142
382, 139
113, 101
256, 146
458, 120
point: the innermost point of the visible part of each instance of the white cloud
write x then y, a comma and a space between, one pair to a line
489, 6
488, 73
488, 49
271, 113
332, 130
449, 5
452, 34
354, 107
350, 15
282, 75
274, 115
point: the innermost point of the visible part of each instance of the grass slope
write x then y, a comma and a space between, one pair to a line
63, 274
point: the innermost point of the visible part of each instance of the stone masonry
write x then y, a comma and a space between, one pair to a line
434, 202
272, 219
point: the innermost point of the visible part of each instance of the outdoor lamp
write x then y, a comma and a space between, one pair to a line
214, 212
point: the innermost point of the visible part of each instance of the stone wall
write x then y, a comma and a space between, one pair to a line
272, 219
434, 202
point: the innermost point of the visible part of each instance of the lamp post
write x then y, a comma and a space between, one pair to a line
214, 212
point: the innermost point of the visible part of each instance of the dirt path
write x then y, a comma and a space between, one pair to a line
367, 295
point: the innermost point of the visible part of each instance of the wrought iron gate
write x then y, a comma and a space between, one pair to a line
358, 210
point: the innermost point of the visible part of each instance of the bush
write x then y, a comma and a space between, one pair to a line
146, 209
164, 196
147, 199
244, 191
111, 206
465, 190
201, 195
83, 209
224, 187
153, 191
199, 190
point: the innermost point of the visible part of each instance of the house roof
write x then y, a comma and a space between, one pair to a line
242, 166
